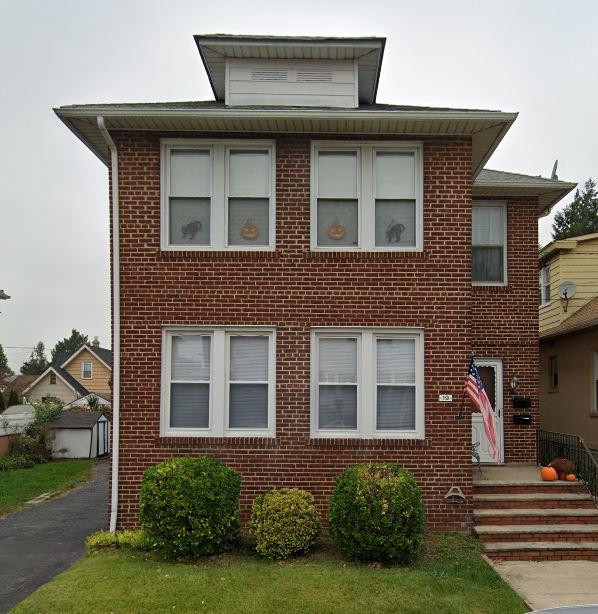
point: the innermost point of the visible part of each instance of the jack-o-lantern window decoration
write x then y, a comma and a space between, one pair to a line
337, 231
337, 223
248, 221
249, 231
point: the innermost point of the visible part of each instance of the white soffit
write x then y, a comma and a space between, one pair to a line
486, 128
214, 50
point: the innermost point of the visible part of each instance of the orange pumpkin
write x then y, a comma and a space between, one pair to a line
570, 477
337, 231
548, 474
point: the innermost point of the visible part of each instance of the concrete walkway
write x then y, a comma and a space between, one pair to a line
39, 542
551, 584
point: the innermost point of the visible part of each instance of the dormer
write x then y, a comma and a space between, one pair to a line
292, 71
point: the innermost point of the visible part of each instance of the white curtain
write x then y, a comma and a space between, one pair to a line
190, 173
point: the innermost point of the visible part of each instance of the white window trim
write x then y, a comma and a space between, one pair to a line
219, 192
594, 408
219, 384
366, 197
544, 281
83, 363
503, 204
367, 383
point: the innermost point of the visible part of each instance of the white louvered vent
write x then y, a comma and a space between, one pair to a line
268, 74
314, 76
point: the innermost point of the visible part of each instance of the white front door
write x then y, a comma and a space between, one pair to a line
490, 371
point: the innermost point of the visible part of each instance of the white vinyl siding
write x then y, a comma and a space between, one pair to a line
217, 195
218, 382
545, 286
367, 383
489, 241
367, 196
304, 83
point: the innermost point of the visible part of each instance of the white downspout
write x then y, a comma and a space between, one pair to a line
115, 323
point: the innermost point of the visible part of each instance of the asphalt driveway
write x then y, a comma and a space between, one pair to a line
39, 542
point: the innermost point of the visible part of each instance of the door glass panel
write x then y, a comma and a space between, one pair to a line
488, 375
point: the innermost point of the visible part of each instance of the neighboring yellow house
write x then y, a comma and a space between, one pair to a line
73, 378
569, 337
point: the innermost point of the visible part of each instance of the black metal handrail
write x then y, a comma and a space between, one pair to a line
563, 445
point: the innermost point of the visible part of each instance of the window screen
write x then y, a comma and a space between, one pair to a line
488, 232
337, 200
189, 202
190, 381
395, 384
248, 382
395, 207
337, 383
249, 197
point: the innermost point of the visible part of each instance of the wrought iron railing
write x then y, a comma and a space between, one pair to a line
562, 445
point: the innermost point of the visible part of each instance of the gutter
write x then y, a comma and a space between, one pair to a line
115, 322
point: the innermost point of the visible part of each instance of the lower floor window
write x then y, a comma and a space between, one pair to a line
367, 383
218, 382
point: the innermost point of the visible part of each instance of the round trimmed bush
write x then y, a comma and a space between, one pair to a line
190, 506
376, 513
284, 522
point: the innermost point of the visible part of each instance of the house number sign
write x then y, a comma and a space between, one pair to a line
445, 398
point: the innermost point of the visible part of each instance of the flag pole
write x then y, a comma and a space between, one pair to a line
459, 415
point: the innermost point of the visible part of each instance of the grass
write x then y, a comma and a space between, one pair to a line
451, 577
21, 485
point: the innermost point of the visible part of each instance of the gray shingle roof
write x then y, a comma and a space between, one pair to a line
192, 105
491, 176
67, 377
76, 419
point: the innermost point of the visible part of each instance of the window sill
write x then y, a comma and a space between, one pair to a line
334, 443
218, 255
350, 256
490, 288
202, 441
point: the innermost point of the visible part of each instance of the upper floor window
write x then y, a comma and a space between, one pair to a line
553, 382
86, 370
367, 196
218, 382
544, 286
367, 383
52, 378
489, 241
217, 195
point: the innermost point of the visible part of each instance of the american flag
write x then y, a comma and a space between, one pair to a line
474, 389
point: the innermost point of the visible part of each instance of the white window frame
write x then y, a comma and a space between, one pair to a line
366, 193
544, 282
219, 179
367, 382
505, 246
219, 381
83, 363
594, 408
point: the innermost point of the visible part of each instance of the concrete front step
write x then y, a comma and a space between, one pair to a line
534, 500
511, 516
537, 532
542, 550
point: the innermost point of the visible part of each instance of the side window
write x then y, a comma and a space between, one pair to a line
86, 370
545, 286
553, 382
489, 223
53, 378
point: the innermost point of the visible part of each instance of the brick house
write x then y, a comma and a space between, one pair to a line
300, 275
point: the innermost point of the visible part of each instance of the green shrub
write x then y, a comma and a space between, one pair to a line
284, 522
135, 540
190, 506
376, 514
15, 461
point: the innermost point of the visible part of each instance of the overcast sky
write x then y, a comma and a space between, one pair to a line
538, 57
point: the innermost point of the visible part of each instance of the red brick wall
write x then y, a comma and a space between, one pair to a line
506, 326
293, 290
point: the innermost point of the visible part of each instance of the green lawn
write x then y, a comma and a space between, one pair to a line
21, 485
452, 577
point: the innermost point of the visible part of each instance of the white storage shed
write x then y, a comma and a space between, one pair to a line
81, 434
